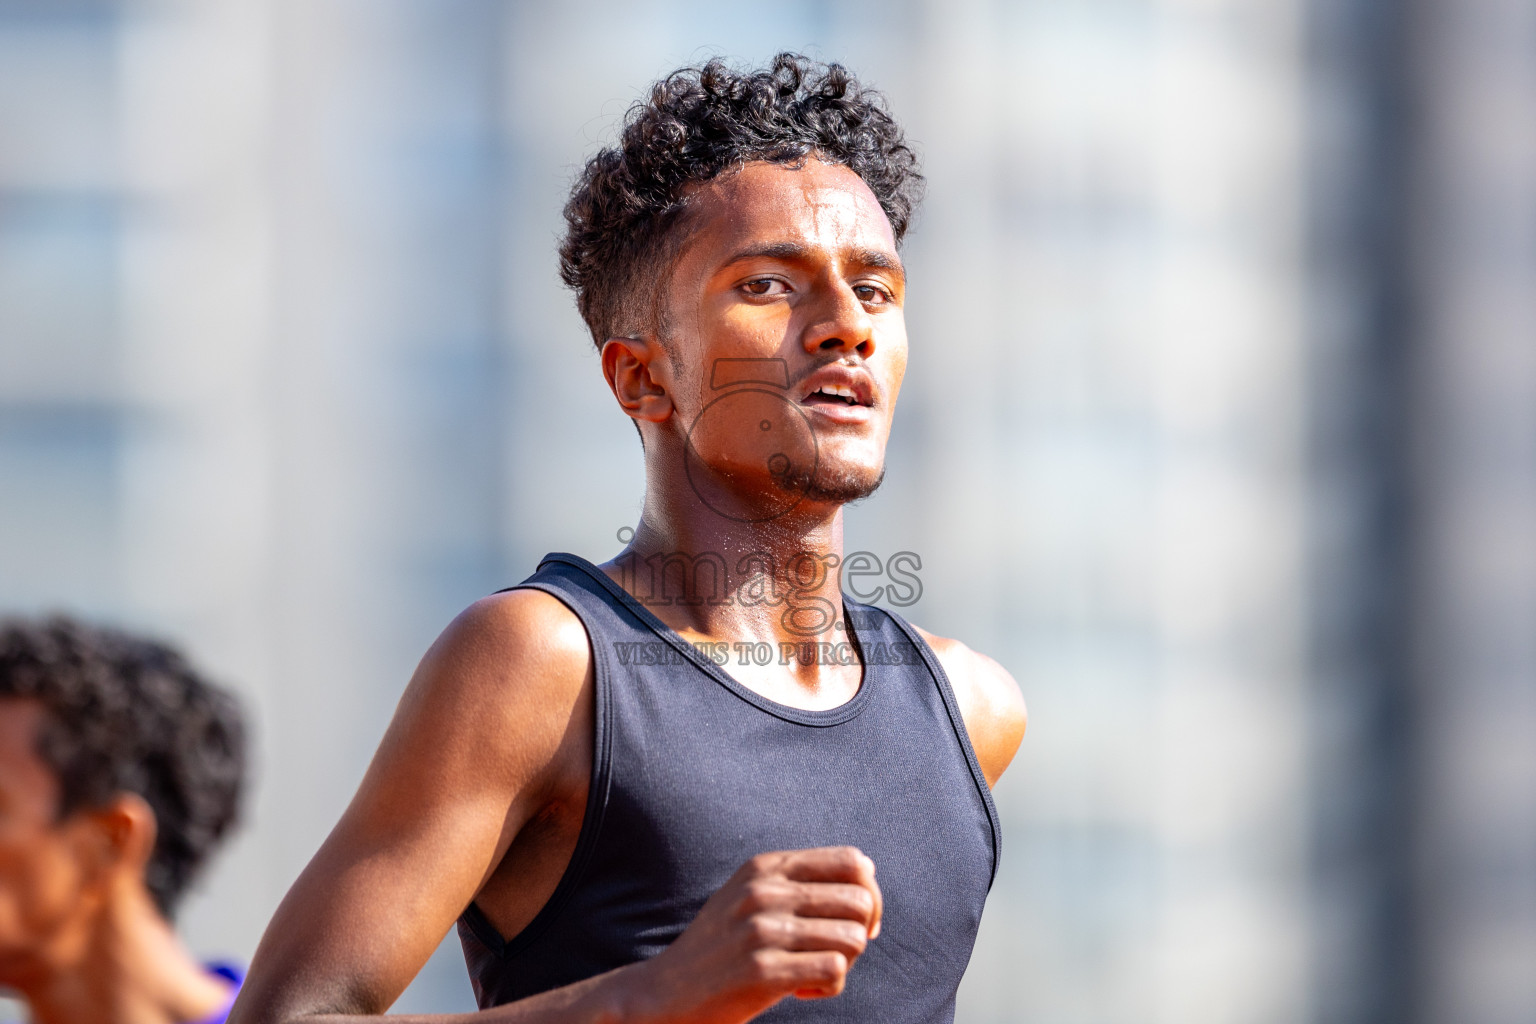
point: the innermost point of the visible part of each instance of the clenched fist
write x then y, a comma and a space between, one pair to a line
787, 923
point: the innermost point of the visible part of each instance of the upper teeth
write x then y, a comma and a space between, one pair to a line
839, 390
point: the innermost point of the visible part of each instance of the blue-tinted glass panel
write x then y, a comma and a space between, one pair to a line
58, 284
58, 507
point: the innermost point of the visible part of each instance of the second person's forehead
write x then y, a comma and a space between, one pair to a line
21, 719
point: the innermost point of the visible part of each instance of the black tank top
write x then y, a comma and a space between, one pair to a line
693, 773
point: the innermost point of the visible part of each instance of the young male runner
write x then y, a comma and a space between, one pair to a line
697, 779
120, 771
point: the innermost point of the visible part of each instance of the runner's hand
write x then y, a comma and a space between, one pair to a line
787, 923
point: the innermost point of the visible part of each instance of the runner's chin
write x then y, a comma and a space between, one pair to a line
837, 483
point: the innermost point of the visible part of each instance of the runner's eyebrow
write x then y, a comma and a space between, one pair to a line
880, 260
771, 250
794, 251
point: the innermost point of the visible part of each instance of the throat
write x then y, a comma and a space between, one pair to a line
130, 969
808, 672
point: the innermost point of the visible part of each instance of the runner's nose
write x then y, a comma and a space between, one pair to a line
842, 323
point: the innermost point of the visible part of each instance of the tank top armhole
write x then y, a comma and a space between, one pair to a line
957, 721
597, 799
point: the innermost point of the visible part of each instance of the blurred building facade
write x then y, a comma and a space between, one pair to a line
1218, 431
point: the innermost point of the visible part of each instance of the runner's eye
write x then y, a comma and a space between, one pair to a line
765, 286
871, 295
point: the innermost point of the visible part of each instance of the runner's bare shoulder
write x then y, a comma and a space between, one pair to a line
505, 678
990, 701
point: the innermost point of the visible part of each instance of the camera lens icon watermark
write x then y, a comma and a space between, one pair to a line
752, 426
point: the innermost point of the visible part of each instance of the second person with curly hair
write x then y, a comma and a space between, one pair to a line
121, 770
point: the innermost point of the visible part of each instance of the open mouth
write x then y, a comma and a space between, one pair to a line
835, 394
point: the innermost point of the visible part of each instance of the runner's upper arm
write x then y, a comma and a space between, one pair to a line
476, 741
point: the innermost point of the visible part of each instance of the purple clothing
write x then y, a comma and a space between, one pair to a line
233, 975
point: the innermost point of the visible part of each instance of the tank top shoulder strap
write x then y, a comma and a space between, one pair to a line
886, 637
570, 581
578, 584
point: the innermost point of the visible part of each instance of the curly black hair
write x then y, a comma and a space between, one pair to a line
696, 123
129, 715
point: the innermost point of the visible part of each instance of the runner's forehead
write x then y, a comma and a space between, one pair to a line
770, 209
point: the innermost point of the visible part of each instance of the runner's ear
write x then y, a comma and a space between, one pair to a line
627, 364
